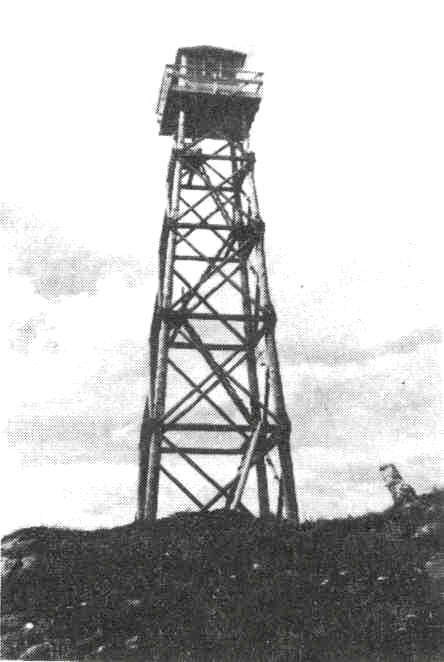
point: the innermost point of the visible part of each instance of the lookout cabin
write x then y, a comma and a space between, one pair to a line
218, 96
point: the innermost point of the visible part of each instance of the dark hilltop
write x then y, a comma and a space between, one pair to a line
227, 586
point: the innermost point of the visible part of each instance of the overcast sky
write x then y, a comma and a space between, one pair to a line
349, 143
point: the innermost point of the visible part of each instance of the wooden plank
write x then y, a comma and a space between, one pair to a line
260, 454
246, 465
259, 432
220, 494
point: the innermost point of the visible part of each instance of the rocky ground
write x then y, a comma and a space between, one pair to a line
223, 585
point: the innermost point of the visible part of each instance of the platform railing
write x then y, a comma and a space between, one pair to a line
188, 79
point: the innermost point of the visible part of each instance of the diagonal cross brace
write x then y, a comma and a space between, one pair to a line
215, 367
207, 389
259, 455
195, 465
203, 299
204, 219
181, 486
191, 383
246, 465
213, 268
260, 431
202, 383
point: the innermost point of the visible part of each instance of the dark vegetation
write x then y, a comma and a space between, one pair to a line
225, 586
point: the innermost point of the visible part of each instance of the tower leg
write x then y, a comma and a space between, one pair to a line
166, 293
153, 478
143, 462
160, 391
261, 473
290, 499
262, 488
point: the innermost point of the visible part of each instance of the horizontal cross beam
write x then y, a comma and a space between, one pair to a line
209, 345
198, 450
210, 427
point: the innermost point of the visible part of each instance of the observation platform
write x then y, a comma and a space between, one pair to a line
216, 93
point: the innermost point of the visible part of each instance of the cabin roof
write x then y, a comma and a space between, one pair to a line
221, 52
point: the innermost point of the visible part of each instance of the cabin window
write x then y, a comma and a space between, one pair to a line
210, 68
228, 70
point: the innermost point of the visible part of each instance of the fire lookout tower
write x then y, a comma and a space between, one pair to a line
215, 387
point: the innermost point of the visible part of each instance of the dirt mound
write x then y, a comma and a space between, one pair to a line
225, 585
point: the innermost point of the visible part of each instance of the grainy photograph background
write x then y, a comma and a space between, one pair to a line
349, 142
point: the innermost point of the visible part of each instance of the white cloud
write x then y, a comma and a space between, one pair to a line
77, 339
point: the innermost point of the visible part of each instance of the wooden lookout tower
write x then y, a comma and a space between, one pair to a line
215, 387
